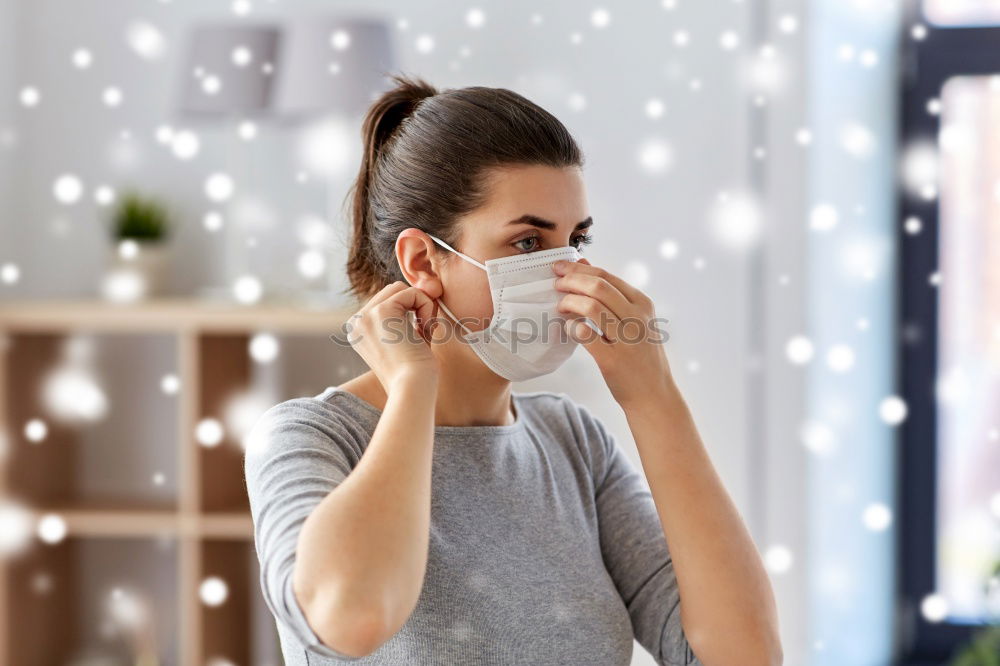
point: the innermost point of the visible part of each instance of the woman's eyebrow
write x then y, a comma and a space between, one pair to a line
536, 221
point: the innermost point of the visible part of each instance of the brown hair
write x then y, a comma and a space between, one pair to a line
426, 162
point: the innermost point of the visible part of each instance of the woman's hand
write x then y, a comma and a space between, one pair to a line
630, 355
383, 335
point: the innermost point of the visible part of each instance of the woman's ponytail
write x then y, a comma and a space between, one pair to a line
365, 269
427, 159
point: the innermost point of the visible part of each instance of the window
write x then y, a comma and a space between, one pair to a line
949, 327
962, 12
968, 350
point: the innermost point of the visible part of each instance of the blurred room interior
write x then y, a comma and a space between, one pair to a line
809, 190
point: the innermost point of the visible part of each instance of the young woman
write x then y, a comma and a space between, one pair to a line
423, 512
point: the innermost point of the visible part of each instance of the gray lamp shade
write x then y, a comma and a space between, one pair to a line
229, 69
332, 64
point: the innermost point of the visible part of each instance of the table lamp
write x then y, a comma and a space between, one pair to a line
311, 68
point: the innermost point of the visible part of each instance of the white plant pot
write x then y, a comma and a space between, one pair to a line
137, 271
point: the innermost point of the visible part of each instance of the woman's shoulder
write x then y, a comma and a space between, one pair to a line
326, 419
571, 425
552, 401
326, 405
546, 400
303, 446
558, 407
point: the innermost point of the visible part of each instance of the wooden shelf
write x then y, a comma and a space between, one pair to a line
167, 315
122, 522
195, 522
236, 526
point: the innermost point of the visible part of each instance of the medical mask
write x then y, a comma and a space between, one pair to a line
526, 337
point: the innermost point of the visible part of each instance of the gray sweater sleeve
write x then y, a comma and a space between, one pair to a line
301, 449
296, 454
634, 548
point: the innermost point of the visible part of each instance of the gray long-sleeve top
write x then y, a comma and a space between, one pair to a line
545, 545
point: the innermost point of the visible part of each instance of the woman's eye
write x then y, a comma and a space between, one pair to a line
529, 239
532, 242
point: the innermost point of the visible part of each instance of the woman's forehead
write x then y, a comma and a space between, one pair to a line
522, 194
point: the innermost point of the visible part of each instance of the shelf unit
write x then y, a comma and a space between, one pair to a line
164, 540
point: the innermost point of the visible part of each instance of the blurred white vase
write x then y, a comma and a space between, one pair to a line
137, 271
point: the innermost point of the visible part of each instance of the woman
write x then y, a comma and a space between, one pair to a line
423, 513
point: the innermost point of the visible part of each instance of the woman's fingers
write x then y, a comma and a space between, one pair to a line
596, 287
420, 303
374, 304
634, 296
385, 293
384, 335
586, 306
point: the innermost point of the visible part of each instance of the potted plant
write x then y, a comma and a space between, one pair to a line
140, 230
984, 647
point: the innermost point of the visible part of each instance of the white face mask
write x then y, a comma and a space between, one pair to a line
526, 337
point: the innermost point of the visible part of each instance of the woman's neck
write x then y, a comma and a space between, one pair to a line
475, 399
467, 395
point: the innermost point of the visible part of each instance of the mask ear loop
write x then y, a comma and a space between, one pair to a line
467, 258
464, 256
453, 317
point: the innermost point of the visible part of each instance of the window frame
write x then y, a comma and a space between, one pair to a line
925, 18
925, 66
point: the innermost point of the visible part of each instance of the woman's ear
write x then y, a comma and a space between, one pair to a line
418, 261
